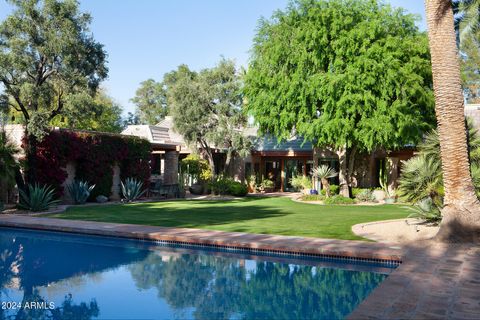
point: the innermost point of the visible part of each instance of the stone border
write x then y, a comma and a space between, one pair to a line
434, 281
353, 250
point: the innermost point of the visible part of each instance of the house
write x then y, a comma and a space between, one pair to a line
276, 160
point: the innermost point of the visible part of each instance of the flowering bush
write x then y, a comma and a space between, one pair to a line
94, 154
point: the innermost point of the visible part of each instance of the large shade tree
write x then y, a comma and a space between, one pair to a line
207, 110
49, 61
350, 75
102, 113
461, 213
151, 102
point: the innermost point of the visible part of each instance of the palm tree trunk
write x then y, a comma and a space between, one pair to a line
461, 214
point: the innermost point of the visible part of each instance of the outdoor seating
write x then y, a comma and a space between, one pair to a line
164, 190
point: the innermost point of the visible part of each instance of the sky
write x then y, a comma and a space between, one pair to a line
148, 38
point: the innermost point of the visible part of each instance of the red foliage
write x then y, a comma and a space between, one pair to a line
94, 156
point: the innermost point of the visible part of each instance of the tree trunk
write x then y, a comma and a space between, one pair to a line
31, 157
208, 154
461, 214
351, 165
326, 186
343, 172
228, 163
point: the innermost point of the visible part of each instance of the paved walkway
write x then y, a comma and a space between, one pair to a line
434, 281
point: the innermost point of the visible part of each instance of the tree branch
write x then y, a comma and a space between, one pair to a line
59, 108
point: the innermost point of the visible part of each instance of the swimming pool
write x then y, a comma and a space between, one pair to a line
60, 275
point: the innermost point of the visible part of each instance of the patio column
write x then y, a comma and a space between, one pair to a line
170, 175
116, 192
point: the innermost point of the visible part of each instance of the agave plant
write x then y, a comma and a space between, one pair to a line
427, 210
132, 189
38, 198
324, 173
80, 191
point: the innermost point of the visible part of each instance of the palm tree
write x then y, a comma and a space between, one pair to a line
467, 17
461, 214
324, 173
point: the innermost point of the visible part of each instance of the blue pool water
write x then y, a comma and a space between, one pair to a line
46, 275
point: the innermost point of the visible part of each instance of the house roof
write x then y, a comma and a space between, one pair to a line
161, 134
271, 143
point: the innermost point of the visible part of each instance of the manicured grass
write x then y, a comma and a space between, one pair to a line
280, 216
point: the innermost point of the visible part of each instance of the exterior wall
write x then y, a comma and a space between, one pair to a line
473, 111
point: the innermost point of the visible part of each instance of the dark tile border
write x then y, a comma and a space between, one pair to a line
339, 249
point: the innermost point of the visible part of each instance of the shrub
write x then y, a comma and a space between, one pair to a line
421, 178
312, 197
356, 191
220, 186
301, 182
366, 195
337, 199
334, 189
8, 163
267, 183
427, 210
80, 191
196, 167
38, 198
132, 189
2, 206
238, 189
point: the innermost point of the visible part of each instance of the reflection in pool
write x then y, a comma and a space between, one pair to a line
47, 275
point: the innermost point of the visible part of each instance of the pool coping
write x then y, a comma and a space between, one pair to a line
433, 281
331, 248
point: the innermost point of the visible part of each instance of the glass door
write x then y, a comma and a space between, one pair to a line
292, 168
273, 172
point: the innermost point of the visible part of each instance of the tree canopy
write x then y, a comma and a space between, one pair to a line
151, 102
342, 74
207, 108
102, 114
49, 63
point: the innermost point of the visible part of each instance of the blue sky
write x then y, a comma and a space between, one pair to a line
147, 38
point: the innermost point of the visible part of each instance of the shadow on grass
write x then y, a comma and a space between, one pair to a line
188, 213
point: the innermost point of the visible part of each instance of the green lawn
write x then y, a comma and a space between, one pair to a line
255, 215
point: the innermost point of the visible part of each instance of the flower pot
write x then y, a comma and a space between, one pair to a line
268, 190
196, 188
